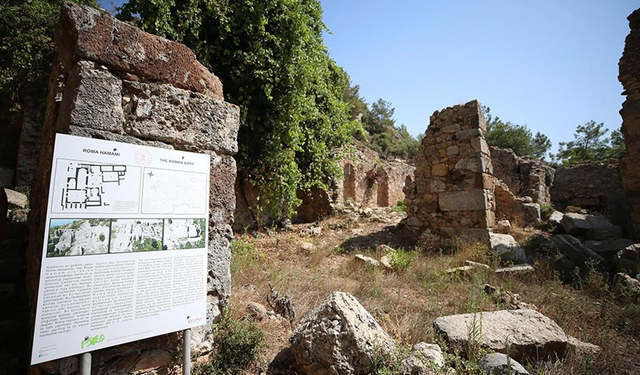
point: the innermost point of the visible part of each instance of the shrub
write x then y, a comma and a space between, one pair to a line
401, 259
238, 344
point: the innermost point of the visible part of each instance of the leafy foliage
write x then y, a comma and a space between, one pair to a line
272, 61
238, 344
516, 137
590, 144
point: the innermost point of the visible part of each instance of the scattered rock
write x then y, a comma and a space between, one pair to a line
520, 268
338, 337
281, 305
501, 364
503, 227
257, 311
384, 249
314, 231
575, 224
476, 264
462, 270
530, 335
368, 261
609, 247
511, 300
556, 218
531, 212
508, 248
386, 262
631, 284
423, 360
574, 249
582, 348
308, 247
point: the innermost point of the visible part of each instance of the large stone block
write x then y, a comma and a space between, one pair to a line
525, 333
92, 99
179, 117
470, 200
90, 34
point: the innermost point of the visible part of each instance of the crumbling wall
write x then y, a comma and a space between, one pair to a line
453, 192
525, 177
112, 81
629, 76
587, 185
368, 182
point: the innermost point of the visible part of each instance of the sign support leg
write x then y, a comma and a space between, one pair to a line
85, 364
186, 352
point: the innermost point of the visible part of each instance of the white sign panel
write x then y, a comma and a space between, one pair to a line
125, 246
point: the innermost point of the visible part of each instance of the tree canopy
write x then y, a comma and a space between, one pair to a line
272, 61
590, 144
514, 136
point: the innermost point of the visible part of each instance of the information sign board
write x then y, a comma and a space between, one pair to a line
125, 246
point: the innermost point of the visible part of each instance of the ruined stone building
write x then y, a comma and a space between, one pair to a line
368, 181
452, 196
629, 76
112, 81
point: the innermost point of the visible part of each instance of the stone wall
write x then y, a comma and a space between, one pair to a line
368, 182
629, 76
525, 177
453, 193
371, 182
587, 185
112, 81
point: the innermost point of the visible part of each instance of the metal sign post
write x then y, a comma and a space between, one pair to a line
85, 364
186, 352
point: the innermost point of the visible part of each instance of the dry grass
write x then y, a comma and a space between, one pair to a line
406, 303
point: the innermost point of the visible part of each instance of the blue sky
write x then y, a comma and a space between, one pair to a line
551, 65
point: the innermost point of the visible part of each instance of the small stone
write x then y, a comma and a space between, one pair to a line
501, 364
581, 348
503, 227
256, 310
16, 199
461, 270
307, 247
476, 264
452, 150
367, 260
521, 268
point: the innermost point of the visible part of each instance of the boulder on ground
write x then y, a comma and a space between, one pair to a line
575, 224
501, 364
581, 348
425, 359
338, 337
608, 247
507, 247
627, 282
575, 249
556, 218
628, 260
527, 333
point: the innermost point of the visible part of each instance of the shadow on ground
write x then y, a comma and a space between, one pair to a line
392, 235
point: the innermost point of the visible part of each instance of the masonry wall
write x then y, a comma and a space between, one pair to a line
588, 185
112, 81
524, 176
453, 192
629, 76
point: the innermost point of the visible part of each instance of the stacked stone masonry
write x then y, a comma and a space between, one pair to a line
115, 82
453, 193
629, 76
589, 185
525, 177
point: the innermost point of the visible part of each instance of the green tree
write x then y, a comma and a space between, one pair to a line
272, 61
384, 136
357, 104
516, 137
590, 144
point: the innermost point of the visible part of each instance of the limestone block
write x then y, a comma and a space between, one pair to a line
15, 198
470, 200
338, 337
451, 128
452, 150
530, 334
468, 134
92, 99
439, 170
89, 34
507, 247
474, 164
180, 117
501, 364
480, 145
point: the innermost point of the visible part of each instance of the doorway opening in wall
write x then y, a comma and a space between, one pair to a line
349, 184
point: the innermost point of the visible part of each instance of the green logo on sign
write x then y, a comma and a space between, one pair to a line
90, 341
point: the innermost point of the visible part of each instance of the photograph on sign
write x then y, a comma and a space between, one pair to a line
125, 246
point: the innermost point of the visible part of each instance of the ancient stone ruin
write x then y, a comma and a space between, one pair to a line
367, 181
525, 177
630, 78
112, 81
453, 193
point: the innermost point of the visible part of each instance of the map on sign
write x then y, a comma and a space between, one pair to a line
169, 191
91, 187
